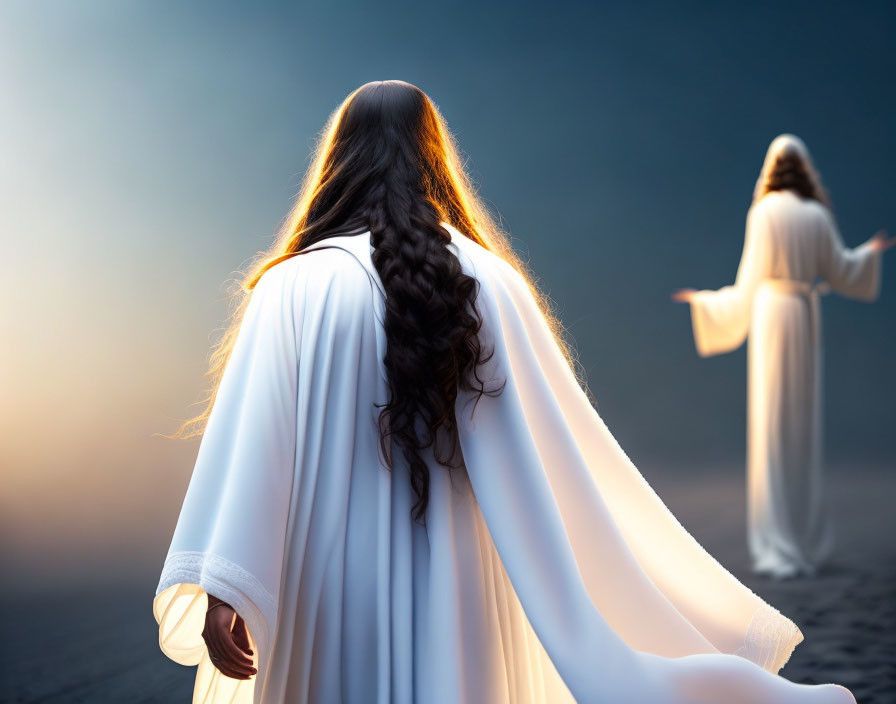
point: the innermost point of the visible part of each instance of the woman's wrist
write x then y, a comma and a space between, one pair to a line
214, 601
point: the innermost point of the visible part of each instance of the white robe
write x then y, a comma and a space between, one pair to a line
790, 244
548, 571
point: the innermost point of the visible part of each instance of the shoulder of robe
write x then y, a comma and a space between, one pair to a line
780, 201
330, 276
768, 203
776, 205
812, 214
820, 210
484, 263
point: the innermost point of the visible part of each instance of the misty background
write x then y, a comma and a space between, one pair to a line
149, 149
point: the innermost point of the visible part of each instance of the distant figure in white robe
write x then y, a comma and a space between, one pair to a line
792, 254
317, 558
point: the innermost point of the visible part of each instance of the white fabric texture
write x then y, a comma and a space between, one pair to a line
792, 254
548, 570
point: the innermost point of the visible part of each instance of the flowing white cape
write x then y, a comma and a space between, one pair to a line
549, 571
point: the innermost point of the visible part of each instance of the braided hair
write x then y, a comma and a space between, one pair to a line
386, 164
383, 174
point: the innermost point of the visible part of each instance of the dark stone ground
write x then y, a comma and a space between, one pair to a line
847, 613
99, 644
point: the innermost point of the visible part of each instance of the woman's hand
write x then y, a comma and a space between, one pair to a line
227, 638
880, 242
684, 295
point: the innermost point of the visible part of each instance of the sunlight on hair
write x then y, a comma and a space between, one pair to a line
453, 195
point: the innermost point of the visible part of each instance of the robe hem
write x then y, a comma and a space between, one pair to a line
770, 639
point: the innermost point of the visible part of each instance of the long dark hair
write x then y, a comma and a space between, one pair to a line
788, 167
387, 163
381, 174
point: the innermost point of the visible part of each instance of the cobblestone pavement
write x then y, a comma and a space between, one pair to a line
100, 644
847, 613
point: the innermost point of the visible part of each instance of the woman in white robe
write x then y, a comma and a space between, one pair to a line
793, 253
546, 571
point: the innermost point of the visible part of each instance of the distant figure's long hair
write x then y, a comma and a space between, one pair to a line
788, 167
387, 163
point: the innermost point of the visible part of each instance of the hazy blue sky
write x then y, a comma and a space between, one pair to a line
148, 149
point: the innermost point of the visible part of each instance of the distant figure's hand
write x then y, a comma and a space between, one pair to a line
684, 295
227, 638
880, 242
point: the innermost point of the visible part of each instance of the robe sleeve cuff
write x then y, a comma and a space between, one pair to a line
706, 333
181, 601
874, 263
770, 639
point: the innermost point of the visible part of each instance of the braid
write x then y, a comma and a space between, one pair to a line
431, 325
387, 164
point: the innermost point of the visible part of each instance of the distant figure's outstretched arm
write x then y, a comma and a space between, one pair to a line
854, 272
721, 318
879, 241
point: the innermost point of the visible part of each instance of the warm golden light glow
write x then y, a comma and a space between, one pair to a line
455, 198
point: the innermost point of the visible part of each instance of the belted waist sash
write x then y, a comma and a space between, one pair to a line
799, 288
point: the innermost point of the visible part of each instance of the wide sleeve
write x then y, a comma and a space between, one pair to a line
608, 578
721, 319
855, 273
230, 535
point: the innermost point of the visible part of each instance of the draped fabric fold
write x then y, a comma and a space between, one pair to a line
548, 571
666, 595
